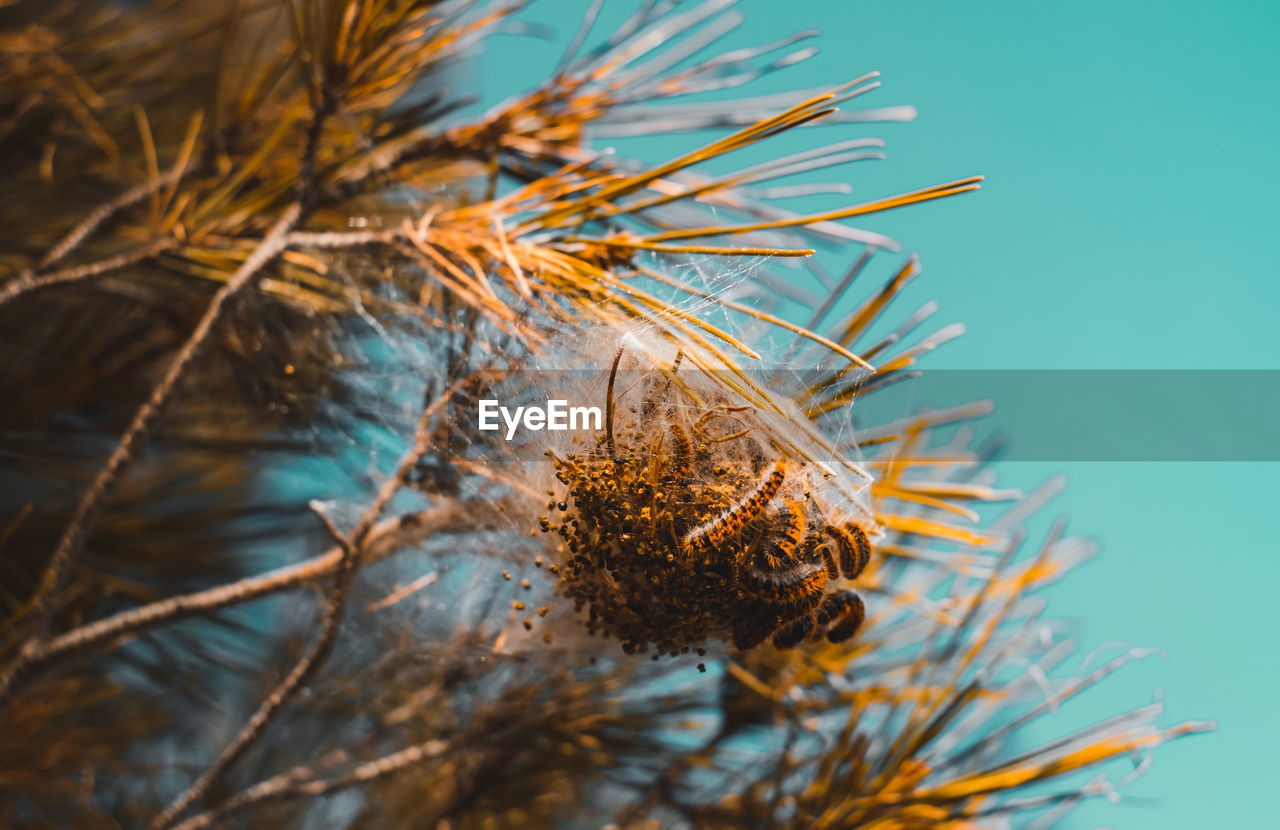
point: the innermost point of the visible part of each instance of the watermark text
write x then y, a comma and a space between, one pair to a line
556, 416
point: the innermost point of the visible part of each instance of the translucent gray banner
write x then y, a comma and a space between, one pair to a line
1108, 415
1042, 415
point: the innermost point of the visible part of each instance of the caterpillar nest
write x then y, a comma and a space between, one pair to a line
684, 524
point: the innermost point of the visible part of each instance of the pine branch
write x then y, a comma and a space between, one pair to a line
135, 437
94, 220
352, 547
34, 281
297, 784
387, 537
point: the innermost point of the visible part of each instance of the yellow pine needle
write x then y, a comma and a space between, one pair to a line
905, 494
432, 252
657, 307
901, 200
645, 245
152, 160
760, 315
402, 592
873, 307
504, 246
676, 194
912, 737
941, 460
934, 529
170, 219
749, 680
870, 442
496, 311
838, 396
1012, 776
712, 150
960, 490
221, 195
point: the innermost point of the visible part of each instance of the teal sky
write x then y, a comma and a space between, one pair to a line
1128, 221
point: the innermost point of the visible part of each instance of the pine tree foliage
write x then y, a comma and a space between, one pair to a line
256, 563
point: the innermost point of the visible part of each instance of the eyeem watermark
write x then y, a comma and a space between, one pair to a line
556, 416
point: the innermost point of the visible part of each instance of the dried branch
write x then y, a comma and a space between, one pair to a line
144, 422
82, 231
352, 549
297, 784
339, 239
31, 281
294, 782
387, 537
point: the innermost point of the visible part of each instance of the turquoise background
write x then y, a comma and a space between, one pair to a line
1128, 220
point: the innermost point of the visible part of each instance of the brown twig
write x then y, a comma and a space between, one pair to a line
104, 212
352, 549
293, 784
33, 281
387, 537
139, 430
342, 239
298, 677
280, 786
